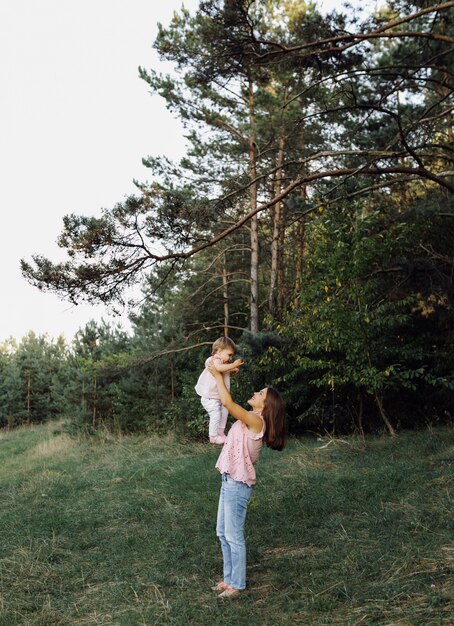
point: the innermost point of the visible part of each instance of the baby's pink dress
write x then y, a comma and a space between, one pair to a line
206, 385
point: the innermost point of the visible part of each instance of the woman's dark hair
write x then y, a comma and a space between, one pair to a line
274, 415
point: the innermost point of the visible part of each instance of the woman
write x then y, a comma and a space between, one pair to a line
266, 422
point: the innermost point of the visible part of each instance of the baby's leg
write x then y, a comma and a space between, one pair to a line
213, 408
223, 421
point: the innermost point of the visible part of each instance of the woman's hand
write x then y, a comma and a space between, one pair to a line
252, 421
214, 371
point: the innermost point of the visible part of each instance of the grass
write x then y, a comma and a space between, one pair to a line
121, 531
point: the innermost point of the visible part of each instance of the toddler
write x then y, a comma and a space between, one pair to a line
222, 352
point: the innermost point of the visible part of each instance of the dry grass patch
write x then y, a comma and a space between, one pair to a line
405, 609
448, 554
56, 447
7, 433
291, 552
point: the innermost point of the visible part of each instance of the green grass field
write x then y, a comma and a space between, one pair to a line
121, 531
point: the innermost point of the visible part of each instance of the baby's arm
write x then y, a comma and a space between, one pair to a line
227, 367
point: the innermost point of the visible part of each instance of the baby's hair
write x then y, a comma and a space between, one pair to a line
222, 343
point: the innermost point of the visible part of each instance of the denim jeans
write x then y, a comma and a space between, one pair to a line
233, 503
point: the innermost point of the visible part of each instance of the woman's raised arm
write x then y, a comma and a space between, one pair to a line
253, 422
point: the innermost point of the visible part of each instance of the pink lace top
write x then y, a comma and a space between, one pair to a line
240, 452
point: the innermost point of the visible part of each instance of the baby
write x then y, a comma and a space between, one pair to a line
222, 353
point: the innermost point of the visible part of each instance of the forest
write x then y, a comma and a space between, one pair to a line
311, 220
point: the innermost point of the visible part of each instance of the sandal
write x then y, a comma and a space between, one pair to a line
229, 592
220, 586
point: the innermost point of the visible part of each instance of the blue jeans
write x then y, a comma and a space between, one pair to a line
233, 502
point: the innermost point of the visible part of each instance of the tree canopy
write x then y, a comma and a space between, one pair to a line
311, 217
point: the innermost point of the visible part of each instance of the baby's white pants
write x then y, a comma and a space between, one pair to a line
218, 415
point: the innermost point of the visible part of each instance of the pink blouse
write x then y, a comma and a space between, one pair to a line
240, 452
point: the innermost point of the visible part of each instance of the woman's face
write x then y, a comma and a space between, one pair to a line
258, 399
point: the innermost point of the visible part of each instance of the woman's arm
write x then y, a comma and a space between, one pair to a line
253, 422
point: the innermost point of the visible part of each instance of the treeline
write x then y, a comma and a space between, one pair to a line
311, 220
87, 381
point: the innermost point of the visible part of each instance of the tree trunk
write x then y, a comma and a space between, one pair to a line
254, 307
276, 243
299, 266
445, 91
360, 414
281, 266
225, 296
389, 426
94, 400
172, 381
378, 397
300, 242
29, 387
299, 262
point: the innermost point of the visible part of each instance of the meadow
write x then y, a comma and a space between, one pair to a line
120, 531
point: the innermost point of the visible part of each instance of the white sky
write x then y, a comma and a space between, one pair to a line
75, 122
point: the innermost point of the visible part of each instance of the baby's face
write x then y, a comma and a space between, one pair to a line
226, 354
